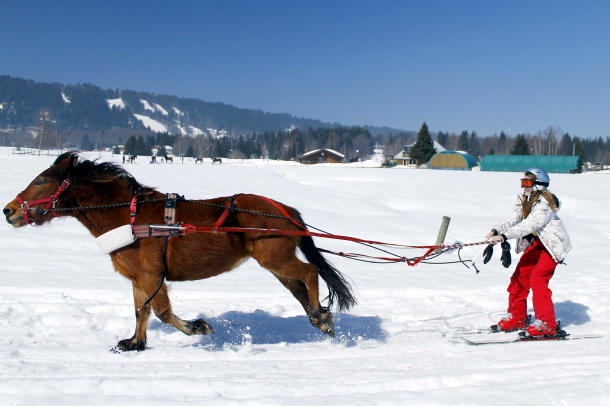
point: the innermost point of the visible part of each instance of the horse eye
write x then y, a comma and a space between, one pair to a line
39, 181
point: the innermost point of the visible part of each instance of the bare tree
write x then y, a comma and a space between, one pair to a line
44, 120
551, 135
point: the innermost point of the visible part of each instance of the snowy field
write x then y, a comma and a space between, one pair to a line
63, 308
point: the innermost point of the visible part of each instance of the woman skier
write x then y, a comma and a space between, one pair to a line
544, 241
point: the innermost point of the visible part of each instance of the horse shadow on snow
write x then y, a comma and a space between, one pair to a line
259, 327
571, 313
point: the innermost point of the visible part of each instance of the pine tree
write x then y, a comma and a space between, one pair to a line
85, 143
190, 152
130, 145
521, 147
142, 147
463, 142
579, 148
474, 147
565, 145
502, 143
441, 138
423, 149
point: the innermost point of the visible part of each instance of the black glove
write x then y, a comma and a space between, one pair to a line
505, 254
487, 253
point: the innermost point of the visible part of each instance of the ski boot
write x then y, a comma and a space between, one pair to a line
509, 324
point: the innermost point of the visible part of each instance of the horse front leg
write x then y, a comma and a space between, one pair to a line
138, 341
163, 310
161, 305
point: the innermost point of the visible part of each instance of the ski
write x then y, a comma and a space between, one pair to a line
520, 337
489, 330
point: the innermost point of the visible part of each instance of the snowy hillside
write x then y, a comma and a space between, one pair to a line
115, 103
63, 308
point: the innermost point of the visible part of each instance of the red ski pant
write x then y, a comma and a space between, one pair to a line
534, 270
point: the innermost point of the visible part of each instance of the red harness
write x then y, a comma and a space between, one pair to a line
51, 200
171, 228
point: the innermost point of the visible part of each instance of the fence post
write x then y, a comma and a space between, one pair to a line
442, 231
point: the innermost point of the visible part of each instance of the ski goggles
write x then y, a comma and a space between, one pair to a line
527, 182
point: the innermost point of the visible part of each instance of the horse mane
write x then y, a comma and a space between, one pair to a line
87, 170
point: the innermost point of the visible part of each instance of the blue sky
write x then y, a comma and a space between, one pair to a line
482, 66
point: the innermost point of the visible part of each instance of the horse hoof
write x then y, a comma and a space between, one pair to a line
325, 322
328, 330
199, 326
131, 345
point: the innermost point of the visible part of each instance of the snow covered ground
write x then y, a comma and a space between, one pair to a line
63, 308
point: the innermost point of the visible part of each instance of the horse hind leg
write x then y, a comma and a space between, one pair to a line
278, 256
323, 319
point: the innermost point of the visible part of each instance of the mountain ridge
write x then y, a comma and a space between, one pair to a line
86, 106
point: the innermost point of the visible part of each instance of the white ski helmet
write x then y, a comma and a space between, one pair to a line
542, 178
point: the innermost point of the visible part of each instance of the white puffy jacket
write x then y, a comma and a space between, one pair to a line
542, 220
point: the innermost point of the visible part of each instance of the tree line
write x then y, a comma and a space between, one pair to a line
353, 142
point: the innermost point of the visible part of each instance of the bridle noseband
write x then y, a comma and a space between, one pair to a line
51, 200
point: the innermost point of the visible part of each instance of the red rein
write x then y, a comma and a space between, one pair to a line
51, 200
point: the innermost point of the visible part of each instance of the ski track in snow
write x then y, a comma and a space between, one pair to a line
63, 308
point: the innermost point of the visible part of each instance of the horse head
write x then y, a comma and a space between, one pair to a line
70, 182
37, 202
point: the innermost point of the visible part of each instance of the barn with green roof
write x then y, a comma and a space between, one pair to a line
520, 163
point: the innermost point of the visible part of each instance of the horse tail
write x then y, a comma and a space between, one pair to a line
339, 288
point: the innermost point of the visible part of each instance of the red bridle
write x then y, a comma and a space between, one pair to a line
51, 200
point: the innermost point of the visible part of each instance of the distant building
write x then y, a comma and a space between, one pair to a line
520, 163
459, 160
404, 158
322, 155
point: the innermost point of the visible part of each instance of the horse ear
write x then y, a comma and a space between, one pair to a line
73, 161
66, 162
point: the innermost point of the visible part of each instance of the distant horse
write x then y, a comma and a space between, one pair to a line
216, 160
105, 189
198, 160
168, 158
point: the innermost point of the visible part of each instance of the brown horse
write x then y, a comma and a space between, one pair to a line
95, 194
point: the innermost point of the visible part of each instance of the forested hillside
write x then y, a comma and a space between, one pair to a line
89, 107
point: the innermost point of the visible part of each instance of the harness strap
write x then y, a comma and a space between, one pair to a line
151, 230
133, 206
222, 217
171, 200
229, 208
156, 290
283, 211
147, 230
